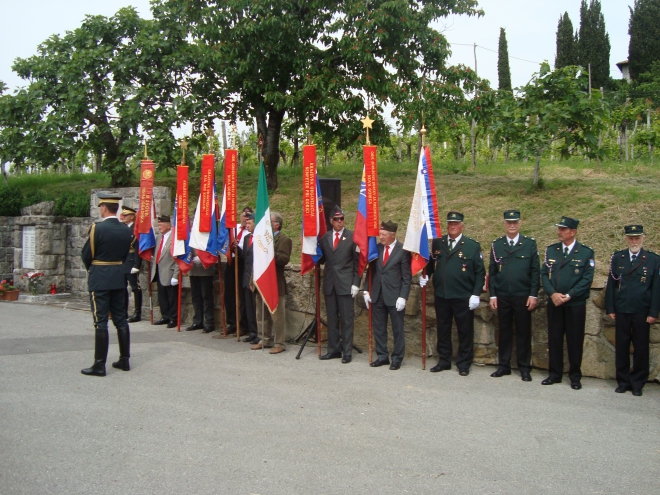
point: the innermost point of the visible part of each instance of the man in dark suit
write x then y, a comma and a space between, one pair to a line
103, 254
390, 288
201, 292
514, 286
249, 294
458, 272
340, 286
277, 321
166, 273
132, 266
566, 275
632, 300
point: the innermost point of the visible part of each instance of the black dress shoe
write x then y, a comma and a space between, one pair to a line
97, 369
525, 376
551, 381
171, 324
134, 318
162, 321
395, 366
249, 339
464, 372
379, 362
208, 330
122, 364
330, 355
440, 367
194, 327
576, 385
637, 392
622, 389
500, 372
346, 359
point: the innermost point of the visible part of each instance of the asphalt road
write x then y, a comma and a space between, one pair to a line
197, 415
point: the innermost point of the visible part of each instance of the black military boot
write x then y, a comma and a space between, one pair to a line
137, 314
100, 355
124, 337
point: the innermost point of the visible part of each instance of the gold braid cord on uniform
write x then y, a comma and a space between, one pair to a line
91, 240
106, 263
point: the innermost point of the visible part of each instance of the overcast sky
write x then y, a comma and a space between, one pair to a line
531, 27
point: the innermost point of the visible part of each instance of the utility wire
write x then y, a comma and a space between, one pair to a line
494, 51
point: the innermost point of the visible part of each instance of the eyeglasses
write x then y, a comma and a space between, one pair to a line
338, 219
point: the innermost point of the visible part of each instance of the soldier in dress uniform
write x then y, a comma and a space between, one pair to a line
514, 286
459, 275
103, 255
566, 275
632, 300
132, 266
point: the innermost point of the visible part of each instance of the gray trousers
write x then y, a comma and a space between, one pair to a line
340, 308
380, 313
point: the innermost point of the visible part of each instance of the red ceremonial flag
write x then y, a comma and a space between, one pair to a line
231, 185
147, 172
371, 180
182, 203
310, 203
206, 193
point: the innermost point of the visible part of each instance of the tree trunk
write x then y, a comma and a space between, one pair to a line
473, 139
400, 149
325, 154
409, 153
536, 171
296, 151
270, 130
4, 174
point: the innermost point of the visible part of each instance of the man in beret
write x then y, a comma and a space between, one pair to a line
632, 300
390, 288
458, 272
132, 266
514, 286
566, 275
166, 273
103, 254
340, 286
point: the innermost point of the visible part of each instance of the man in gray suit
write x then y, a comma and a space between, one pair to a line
166, 272
201, 291
340, 285
390, 288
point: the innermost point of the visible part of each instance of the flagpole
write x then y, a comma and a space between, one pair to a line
371, 307
221, 286
151, 289
237, 298
317, 283
424, 322
178, 309
263, 329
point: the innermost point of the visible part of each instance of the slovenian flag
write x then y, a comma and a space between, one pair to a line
366, 244
146, 243
424, 221
263, 246
180, 248
224, 234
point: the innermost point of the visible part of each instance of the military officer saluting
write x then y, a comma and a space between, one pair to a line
103, 255
632, 300
514, 286
566, 275
458, 272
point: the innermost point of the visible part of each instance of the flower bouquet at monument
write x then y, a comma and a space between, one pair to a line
33, 280
8, 292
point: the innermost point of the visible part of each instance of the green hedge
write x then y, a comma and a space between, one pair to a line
72, 204
11, 201
67, 204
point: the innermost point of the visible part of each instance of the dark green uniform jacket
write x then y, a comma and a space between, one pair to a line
133, 260
572, 275
514, 271
104, 253
634, 287
459, 273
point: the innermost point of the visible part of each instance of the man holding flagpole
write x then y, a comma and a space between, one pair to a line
166, 273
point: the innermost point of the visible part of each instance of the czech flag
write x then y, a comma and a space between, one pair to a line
366, 244
180, 248
424, 221
146, 242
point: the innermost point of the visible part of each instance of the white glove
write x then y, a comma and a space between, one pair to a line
474, 302
196, 261
400, 304
367, 299
423, 280
354, 290
134, 271
174, 281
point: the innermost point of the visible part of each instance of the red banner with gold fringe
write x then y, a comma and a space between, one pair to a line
310, 203
206, 196
147, 173
371, 183
231, 186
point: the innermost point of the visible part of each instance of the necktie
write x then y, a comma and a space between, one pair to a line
160, 249
565, 252
336, 240
250, 241
511, 243
387, 255
451, 244
633, 258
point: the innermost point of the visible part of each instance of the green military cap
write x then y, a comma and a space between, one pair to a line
105, 197
634, 230
511, 215
389, 226
454, 216
571, 223
127, 211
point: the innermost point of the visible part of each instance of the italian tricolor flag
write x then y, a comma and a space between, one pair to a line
263, 246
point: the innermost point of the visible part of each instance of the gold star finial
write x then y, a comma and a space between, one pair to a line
366, 124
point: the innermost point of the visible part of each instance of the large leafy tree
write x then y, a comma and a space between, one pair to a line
567, 50
644, 31
319, 60
105, 86
503, 69
594, 43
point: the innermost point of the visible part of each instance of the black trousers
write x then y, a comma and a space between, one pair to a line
250, 299
447, 310
201, 289
102, 303
632, 328
569, 321
340, 311
167, 300
132, 281
380, 313
229, 280
510, 310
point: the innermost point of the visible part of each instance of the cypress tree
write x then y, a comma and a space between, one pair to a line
566, 43
644, 31
594, 43
503, 69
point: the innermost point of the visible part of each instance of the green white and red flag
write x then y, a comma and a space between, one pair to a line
263, 246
